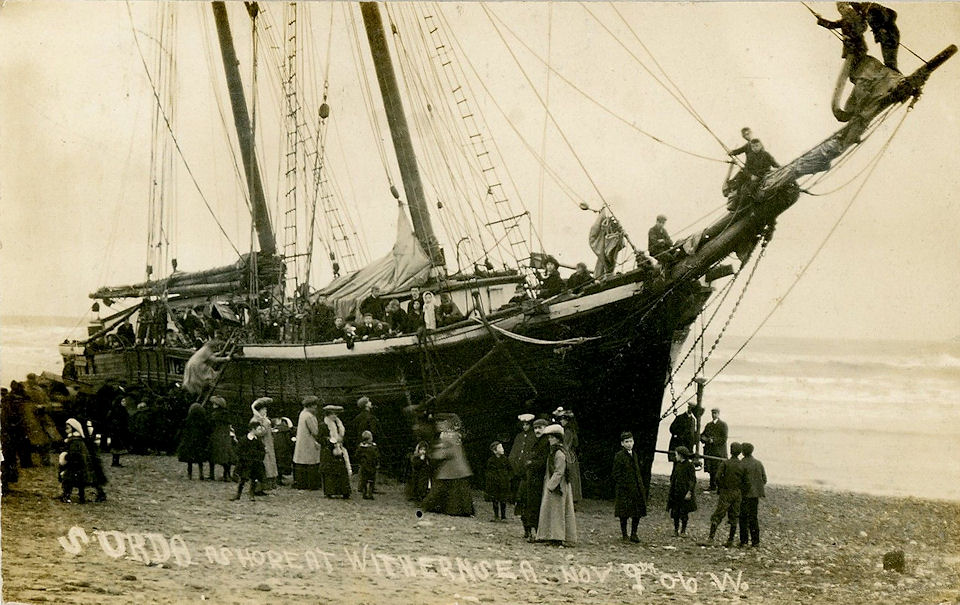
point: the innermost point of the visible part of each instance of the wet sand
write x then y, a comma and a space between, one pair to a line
163, 539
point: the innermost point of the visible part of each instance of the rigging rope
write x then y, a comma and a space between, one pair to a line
816, 252
172, 135
603, 107
537, 341
681, 99
704, 357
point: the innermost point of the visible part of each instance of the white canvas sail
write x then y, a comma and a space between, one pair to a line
406, 265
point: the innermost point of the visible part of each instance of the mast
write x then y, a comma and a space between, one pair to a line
261, 219
400, 133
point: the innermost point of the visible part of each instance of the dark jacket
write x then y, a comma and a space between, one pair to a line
630, 499
658, 240
730, 475
521, 450
683, 479
250, 454
497, 479
535, 471
195, 439
551, 285
419, 482
754, 477
78, 468
578, 279
683, 431
714, 439
368, 459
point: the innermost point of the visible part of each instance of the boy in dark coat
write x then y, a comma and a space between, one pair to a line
368, 458
498, 477
630, 496
250, 452
682, 499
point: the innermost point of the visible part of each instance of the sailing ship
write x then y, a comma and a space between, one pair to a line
607, 349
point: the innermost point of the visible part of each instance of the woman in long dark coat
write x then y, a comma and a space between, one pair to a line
334, 460
195, 440
682, 499
221, 443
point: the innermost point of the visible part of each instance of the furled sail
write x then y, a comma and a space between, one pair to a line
229, 279
407, 265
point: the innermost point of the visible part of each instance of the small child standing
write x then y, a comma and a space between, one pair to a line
682, 498
498, 477
630, 495
76, 466
250, 452
368, 458
419, 482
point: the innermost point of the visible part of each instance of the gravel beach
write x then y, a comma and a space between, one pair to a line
160, 538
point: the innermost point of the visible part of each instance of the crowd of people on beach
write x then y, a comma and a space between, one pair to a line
539, 477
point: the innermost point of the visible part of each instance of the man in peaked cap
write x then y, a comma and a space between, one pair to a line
519, 456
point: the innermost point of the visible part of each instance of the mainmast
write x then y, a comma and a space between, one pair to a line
400, 133
241, 119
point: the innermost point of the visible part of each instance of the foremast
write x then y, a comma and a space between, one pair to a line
241, 120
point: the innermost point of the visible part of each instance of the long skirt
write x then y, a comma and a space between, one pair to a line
557, 518
306, 476
336, 480
450, 497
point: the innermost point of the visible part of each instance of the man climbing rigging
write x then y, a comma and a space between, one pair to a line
855, 17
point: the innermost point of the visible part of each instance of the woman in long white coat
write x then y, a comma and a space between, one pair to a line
558, 522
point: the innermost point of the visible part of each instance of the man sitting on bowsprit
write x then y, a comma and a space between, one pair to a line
759, 163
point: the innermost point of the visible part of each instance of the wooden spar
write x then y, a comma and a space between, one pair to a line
241, 120
400, 133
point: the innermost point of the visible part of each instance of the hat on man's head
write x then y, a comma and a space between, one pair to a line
333, 408
682, 451
553, 429
735, 448
218, 401
363, 401
310, 400
540, 422
525, 417
494, 445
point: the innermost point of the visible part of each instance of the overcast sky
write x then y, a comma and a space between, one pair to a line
75, 109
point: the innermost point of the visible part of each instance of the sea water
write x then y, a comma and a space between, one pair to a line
880, 417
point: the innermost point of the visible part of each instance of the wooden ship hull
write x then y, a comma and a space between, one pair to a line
607, 352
